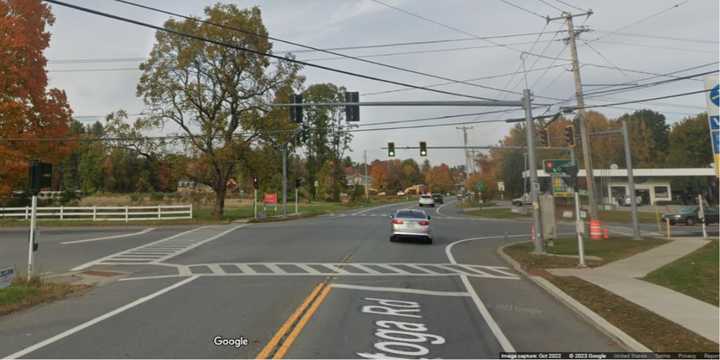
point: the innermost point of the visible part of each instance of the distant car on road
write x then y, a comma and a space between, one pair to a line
410, 223
438, 198
426, 200
690, 216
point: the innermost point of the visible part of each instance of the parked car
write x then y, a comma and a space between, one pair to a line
523, 200
412, 224
438, 198
690, 216
426, 200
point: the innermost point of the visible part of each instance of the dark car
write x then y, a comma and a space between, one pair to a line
438, 198
690, 216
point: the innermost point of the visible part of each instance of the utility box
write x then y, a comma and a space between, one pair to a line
547, 216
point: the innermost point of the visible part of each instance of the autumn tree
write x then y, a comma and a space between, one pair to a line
438, 179
217, 95
28, 110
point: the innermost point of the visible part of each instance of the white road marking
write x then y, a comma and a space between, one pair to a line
379, 207
98, 319
91, 263
492, 324
120, 236
186, 249
440, 207
399, 290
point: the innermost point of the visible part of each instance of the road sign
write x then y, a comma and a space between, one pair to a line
713, 107
554, 166
270, 198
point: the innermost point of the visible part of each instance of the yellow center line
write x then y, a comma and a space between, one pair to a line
301, 324
265, 352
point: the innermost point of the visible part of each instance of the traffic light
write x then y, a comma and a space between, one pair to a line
296, 112
423, 148
256, 185
549, 166
570, 135
298, 182
542, 136
40, 176
391, 149
352, 112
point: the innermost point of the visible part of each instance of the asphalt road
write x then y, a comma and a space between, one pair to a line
326, 287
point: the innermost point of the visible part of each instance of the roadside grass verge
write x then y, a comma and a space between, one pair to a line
652, 330
202, 215
504, 213
24, 293
694, 275
618, 216
611, 249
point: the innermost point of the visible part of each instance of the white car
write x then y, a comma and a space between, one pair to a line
426, 200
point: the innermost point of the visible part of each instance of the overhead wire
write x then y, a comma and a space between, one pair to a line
259, 53
638, 100
551, 5
294, 43
571, 5
523, 9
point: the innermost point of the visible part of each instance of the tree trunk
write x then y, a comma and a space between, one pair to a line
220, 191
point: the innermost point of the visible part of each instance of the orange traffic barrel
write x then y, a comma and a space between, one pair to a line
595, 230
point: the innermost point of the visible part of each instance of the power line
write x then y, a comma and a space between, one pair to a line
572, 6
650, 84
656, 14
596, 51
655, 46
637, 101
659, 37
523, 9
551, 5
232, 28
450, 83
655, 75
259, 53
453, 28
436, 118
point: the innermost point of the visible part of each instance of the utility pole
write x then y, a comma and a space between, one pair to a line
467, 153
365, 179
631, 181
582, 119
532, 165
284, 179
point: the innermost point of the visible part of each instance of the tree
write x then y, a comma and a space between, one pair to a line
690, 143
438, 179
28, 110
410, 173
327, 140
648, 137
215, 94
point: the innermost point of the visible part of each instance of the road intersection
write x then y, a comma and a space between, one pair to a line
327, 287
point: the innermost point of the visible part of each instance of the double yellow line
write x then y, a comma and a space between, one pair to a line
280, 343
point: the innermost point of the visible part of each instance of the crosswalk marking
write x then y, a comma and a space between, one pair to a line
343, 269
163, 249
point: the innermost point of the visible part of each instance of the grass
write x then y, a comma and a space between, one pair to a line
234, 210
611, 249
24, 293
694, 275
496, 214
652, 330
645, 326
619, 216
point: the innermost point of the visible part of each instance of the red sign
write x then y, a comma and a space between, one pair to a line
270, 198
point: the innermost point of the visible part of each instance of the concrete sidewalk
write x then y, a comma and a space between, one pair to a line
622, 278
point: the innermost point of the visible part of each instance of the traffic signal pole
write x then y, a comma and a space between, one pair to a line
631, 181
33, 234
532, 165
284, 179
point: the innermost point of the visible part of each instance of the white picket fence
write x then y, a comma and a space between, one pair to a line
102, 213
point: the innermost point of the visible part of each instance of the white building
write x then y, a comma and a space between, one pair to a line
652, 185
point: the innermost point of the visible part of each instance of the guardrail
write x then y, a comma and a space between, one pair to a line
102, 213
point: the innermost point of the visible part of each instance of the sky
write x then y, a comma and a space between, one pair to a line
95, 59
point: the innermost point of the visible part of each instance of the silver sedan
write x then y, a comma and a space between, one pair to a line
410, 223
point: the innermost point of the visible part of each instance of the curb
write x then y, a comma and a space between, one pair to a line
597, 321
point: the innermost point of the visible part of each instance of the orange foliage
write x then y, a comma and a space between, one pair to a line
27, 109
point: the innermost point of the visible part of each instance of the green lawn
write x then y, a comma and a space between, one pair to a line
22, 293
203, 214
614, 248
694, 275
625, 216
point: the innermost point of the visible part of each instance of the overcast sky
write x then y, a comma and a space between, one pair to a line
110, 51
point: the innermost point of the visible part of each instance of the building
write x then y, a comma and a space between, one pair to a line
651, 185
